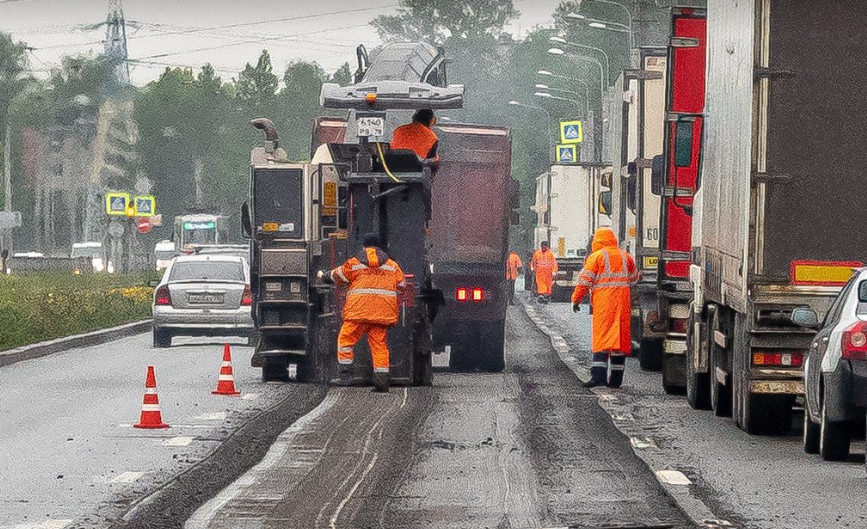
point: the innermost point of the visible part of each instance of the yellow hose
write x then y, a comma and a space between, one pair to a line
384, 166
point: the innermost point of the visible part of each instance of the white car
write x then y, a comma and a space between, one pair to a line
835, 374
91, 250
203, 295
164, 252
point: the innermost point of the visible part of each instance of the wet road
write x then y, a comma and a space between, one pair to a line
71, 459
762, 482
525, 448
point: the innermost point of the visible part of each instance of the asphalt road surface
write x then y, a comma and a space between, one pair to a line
754, 481
525, 448
70, 457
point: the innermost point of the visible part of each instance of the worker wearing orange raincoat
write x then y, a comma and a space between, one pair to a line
513, 268
608, 274
371, 306
545, 265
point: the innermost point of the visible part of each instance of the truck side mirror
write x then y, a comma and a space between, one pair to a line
657, 178
605, 202
514, 218
246, 223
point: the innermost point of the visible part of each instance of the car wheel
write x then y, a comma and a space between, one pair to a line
162, 338
834, 438
811, 434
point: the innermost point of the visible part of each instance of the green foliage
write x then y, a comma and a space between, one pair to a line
257, 85
39, 307
438, 20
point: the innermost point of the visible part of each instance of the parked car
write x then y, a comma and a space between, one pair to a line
835, 374
203, 295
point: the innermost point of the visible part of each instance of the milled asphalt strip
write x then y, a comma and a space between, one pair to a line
675, 483
28, 352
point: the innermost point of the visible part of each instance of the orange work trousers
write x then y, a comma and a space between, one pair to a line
352, 331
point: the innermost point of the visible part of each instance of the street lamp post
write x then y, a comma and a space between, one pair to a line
602, 83
606, 25
548, 95
584, 96
564, 42
547, 124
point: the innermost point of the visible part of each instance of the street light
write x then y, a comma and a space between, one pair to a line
602, 83
547, 124
541, 86
606, 25
561, 40
548, 95
584, 96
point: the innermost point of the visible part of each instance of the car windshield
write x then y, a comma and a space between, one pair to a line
207, 271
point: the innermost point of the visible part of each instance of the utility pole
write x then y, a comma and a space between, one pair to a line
7, 190
115, 40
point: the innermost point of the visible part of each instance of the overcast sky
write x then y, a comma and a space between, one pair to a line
225, 33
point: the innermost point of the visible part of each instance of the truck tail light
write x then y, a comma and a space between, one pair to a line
163, 297
247, 296
678, 325
854, 342
778, 359
470, 294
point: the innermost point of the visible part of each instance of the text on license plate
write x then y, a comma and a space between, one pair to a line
206, 298
371, 126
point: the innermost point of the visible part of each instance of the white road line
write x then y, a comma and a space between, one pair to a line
673, 477
202, 518
51, 524
249, 396
178, 441
216, 416
127, 477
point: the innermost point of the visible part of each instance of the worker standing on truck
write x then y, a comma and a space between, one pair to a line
609, 272
545, 265
371, 306
418, 136
513, 268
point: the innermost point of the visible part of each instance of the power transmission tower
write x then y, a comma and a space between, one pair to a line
115, 40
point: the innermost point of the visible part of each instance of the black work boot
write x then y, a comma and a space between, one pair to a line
380, 383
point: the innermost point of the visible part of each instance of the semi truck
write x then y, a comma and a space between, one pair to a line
777, 219
675, 175
566, 198
637, 105
473, 201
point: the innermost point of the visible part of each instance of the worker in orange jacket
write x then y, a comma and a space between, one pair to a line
371, 306
545, 265
609, 273
513, 268
418, 136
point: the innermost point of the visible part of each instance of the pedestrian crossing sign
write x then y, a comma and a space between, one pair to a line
145, 206
571, 132
115, 203
567, 154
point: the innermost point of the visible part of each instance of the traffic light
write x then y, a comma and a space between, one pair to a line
130, 210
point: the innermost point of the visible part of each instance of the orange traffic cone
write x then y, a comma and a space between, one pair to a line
226, 382
150, 408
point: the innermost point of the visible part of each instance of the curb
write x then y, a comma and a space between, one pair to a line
29, 352
675, 484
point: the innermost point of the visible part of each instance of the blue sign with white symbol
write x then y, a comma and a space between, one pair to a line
567, 154
571, 132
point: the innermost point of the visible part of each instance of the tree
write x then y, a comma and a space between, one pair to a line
342, 76
13, 61
438, 20
257, 85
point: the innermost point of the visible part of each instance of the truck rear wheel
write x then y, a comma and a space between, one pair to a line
697, 384
422, 347
765, 414
720, 390
650, 357
274, 369
672, 374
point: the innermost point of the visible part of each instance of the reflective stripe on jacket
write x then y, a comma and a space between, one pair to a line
374, 281
512, 266
608, 273
416, 137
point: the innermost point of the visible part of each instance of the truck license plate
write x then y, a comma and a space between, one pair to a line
674, 347
371, 126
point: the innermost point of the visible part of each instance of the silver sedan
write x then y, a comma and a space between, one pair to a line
203, 295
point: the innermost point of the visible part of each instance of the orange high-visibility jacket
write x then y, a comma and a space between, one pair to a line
608, 273
374, 281
512, 266
417, 137
545, 266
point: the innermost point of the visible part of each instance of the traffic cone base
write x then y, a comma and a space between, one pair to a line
151, 418
226, 381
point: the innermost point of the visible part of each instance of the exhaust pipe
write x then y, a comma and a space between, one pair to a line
272, 141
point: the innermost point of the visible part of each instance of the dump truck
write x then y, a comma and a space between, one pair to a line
777, 212
473, 198
675, 176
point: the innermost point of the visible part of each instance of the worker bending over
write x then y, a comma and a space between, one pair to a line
374, 281
418, 136
608, 272
545, 265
